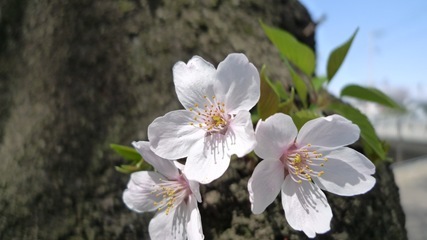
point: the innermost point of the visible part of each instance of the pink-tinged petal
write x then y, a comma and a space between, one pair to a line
240, 135
208, 159
194, 224
331, 131
193, 81
163, 166
265, 183
306, 207
170, 225
140, 195
238, 83
171, 136
274, 136
346, 173
195, 188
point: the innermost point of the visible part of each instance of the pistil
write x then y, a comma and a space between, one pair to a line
299, 163
172, 193
212, 117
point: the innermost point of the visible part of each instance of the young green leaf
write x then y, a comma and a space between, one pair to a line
269, 101
318, 82
254, 117
121, 170
303, 116
280, 90
126, 152
367, 131
299, 84
369, 94
298, 53
288, 106
337, 57
140, 165
126, 169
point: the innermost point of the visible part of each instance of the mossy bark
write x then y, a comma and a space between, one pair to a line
78, 75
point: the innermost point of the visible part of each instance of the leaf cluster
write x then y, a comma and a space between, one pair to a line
308, 97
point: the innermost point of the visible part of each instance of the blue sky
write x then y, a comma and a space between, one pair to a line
389, 51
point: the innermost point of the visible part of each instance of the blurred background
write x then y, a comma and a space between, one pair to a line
389, 53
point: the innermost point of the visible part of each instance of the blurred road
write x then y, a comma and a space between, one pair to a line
411, 177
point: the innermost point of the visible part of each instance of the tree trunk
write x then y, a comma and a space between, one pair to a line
78, 75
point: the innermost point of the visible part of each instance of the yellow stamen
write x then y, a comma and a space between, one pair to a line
297, 158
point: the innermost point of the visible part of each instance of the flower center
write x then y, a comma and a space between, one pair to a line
302, 164
211, 117
172, 193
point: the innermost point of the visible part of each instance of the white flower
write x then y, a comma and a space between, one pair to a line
299, 165
216, 122
169, 192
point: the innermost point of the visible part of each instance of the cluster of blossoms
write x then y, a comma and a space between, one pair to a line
215, 125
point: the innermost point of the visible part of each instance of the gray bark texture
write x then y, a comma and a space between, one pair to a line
78, 75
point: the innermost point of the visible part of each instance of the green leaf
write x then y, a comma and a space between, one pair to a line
280, 90
269, 101
367, 131
299, 84
337, 56
372, 155
126, 152
369, 94
318, 82
141, 165
288, 106
126, 169
254, 117
303, 116
298, 53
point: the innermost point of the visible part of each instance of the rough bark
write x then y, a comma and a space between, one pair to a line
78, 75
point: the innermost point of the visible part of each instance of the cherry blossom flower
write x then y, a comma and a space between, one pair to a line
300, 165
216, 122
170, 193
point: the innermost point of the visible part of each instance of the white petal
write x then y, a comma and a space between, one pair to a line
194, 187
306, 207
331, 131
264, 184
241, 135
171, 136
238, 83
193, 81
194, 224
208, 159
274, 136
357, 160
346, 173
170, 226
163, 166
140, 195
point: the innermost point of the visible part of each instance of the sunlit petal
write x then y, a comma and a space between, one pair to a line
306, 207
331, 131
274, 136
265, 184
